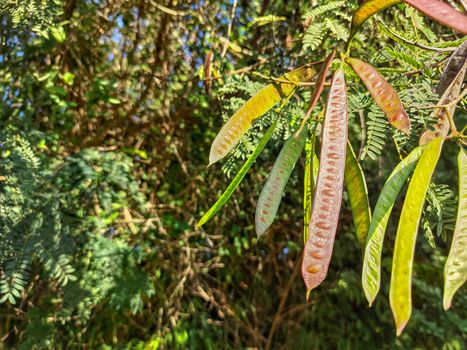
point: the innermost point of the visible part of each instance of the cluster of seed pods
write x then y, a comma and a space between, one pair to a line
329, 186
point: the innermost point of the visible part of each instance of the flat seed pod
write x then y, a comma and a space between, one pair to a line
371, 272
453, 67
254, 108
441, 12
318, 89
400, 295
328, 192
358, 195
311, 174
368, 9
271, 194
441, 129
455, 270
238, 178
383, 94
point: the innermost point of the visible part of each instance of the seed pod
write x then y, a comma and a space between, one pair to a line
328, 192
318, 89
455, 270
238, 178
453, 67
254, 108
441, 129
271, 194
383, 94
367, 10
400, 295
441, 12
358, 195
371, 272
309, 181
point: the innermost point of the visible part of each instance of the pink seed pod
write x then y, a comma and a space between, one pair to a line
329, 186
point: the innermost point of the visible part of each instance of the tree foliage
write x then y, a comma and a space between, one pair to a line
107, 114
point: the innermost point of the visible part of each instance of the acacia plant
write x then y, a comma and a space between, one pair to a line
338, 165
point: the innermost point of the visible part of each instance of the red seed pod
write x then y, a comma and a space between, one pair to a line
383, 94
441, 12
329, 186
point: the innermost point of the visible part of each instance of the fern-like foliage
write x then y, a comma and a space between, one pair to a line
35, 15
440, 212
325, 22
31, 223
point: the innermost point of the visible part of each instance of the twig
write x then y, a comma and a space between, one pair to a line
363, 126
229, 29
413, 43
167, 10
277, 316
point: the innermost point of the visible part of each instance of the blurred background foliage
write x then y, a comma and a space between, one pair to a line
108, 109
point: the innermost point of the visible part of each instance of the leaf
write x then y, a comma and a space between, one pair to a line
328, 193
271, 194
314, 36
455, 270
367, 10
254, 108
311, 174
383, 94
371, 272
441, 129
358, 195
264, 20
319, 10
238, 178
453, 67
442, 13
400, 296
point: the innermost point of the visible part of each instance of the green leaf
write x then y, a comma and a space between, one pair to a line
238, 178
255, 107
455, 270
271, 194
58, 33
371, 274
358, 195
400, 295
441, 12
